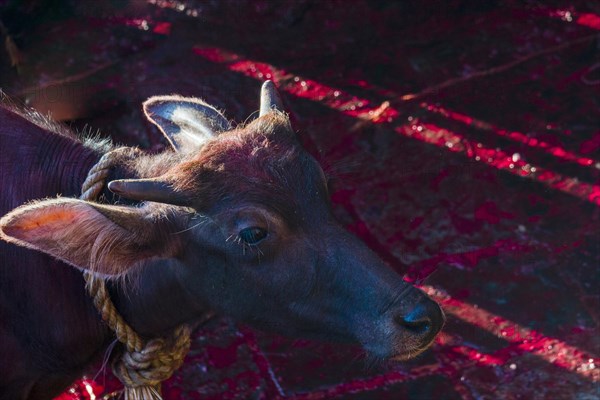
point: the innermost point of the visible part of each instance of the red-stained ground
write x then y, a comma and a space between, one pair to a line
463, 143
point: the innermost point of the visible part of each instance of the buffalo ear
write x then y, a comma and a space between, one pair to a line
105, 239
186, 122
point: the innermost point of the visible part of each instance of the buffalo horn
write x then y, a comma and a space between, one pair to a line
269, 98
147, 190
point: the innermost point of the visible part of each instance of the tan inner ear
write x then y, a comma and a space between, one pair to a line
39, 221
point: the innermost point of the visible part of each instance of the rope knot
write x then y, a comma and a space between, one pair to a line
155, 361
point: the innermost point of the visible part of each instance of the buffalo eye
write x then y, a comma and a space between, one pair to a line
252, 235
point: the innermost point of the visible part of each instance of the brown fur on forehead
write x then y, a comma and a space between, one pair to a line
265, 140
254, 160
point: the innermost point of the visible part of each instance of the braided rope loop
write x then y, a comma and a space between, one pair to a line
143, 365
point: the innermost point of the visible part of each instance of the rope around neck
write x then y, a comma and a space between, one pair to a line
143, 365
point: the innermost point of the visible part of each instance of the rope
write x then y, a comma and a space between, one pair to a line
143, 365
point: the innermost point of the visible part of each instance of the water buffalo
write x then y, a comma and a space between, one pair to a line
235, 221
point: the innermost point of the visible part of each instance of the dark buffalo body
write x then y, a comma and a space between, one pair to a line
49, 329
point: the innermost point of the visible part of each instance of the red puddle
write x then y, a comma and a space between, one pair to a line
489, 212
589, 20
222, 357
162, 28
84, 389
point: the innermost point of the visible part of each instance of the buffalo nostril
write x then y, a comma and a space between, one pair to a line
415, 323
425, 318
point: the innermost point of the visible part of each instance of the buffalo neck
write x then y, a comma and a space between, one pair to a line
153, 301
71, 162
36, 163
